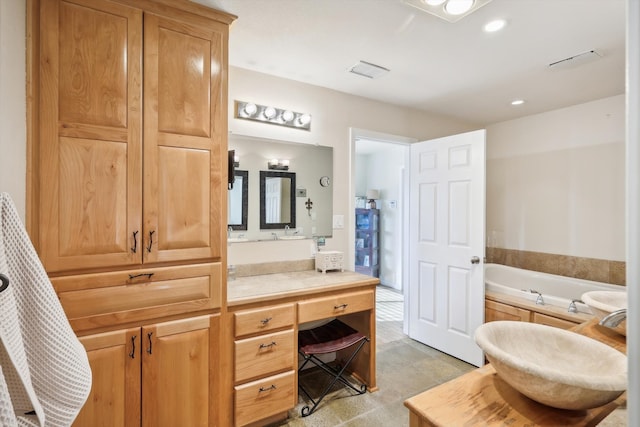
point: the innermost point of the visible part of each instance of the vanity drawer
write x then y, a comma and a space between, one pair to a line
264, 355
266, 397
248, 322
338, 305
107, 299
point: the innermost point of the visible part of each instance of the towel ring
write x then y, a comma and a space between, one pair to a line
5, 282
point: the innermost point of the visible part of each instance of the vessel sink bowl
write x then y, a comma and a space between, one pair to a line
295, 237
603, 303
553, 366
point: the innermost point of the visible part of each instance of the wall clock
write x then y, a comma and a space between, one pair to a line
325, 181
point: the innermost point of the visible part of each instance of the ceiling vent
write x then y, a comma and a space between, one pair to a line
366, 69
575, 60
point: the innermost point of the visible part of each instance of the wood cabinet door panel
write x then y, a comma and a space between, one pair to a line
176, 386
185, 139
90, 135
115, 390
543, 319
497, 311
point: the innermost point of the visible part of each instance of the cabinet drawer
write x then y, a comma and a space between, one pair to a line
543, 319
263, 355
322, 308
263, 320
261, 399
106, 299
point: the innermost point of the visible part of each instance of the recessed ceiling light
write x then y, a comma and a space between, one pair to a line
495, 25
517, 102
434, 2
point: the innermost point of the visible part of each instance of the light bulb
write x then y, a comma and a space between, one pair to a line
269, 112
433, 2
458, 7
250, 109
287, 116
304, 119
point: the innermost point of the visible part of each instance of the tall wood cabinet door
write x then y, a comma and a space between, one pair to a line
90, 147
115, 390
185, 146
177, 373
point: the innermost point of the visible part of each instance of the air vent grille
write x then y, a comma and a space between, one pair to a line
369, 70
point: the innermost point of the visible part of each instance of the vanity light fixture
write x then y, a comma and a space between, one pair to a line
449, 10
236, 160
278, 164
516, 102
272, 115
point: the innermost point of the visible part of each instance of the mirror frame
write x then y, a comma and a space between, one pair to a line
277, 225
245, 200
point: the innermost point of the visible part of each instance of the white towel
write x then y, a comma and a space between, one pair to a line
45, 368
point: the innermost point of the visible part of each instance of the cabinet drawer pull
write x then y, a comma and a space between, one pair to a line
340, 307
134, 249
265, 321
149, 350
263, 389
150, 245
133, 276
133, 347
273, 343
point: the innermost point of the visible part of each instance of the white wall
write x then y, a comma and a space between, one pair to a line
13, 151
555, 181
333, 114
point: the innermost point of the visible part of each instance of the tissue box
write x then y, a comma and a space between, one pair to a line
329, 260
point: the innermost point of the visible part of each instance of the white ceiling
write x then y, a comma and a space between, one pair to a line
454, 69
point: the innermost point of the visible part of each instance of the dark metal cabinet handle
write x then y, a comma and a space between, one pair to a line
150, 349
150, 245
134, 276
4, 282
263, 389
265, 321
134, 249
340, 307
273, 343
133, 347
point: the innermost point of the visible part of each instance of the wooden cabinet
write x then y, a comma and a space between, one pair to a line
494, 310
265, 361
156, 375
338, 305
367, 242
128, 127
132, 132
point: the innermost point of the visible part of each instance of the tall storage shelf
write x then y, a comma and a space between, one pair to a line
367, 242
127, 116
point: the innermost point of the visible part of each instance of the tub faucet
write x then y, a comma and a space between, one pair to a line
539, 300
614, 319
572, 305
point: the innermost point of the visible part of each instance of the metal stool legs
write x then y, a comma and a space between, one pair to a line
333, 343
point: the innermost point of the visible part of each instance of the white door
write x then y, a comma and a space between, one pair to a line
447, 223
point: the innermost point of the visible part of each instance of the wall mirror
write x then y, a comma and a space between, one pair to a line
238, 201
277, 200
311, 195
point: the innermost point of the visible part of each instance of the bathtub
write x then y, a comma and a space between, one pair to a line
556, 290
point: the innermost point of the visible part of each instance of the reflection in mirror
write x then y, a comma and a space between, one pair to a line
277, 200
310, 163
238, 201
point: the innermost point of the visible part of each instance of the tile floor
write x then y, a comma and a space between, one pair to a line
404, 368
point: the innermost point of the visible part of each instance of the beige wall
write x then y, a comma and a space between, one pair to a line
13, 102
555, 181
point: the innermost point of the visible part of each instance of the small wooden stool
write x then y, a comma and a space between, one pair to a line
329, 338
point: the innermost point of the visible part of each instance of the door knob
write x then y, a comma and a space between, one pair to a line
475, 260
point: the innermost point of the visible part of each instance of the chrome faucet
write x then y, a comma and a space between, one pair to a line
614, 319
275, 236
572, 305
539, 300
286, 230
229, 230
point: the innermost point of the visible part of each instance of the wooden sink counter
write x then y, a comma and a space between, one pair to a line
482, 398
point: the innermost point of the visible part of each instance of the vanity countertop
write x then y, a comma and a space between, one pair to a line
249, 289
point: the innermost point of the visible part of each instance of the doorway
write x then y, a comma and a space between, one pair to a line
381, 162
